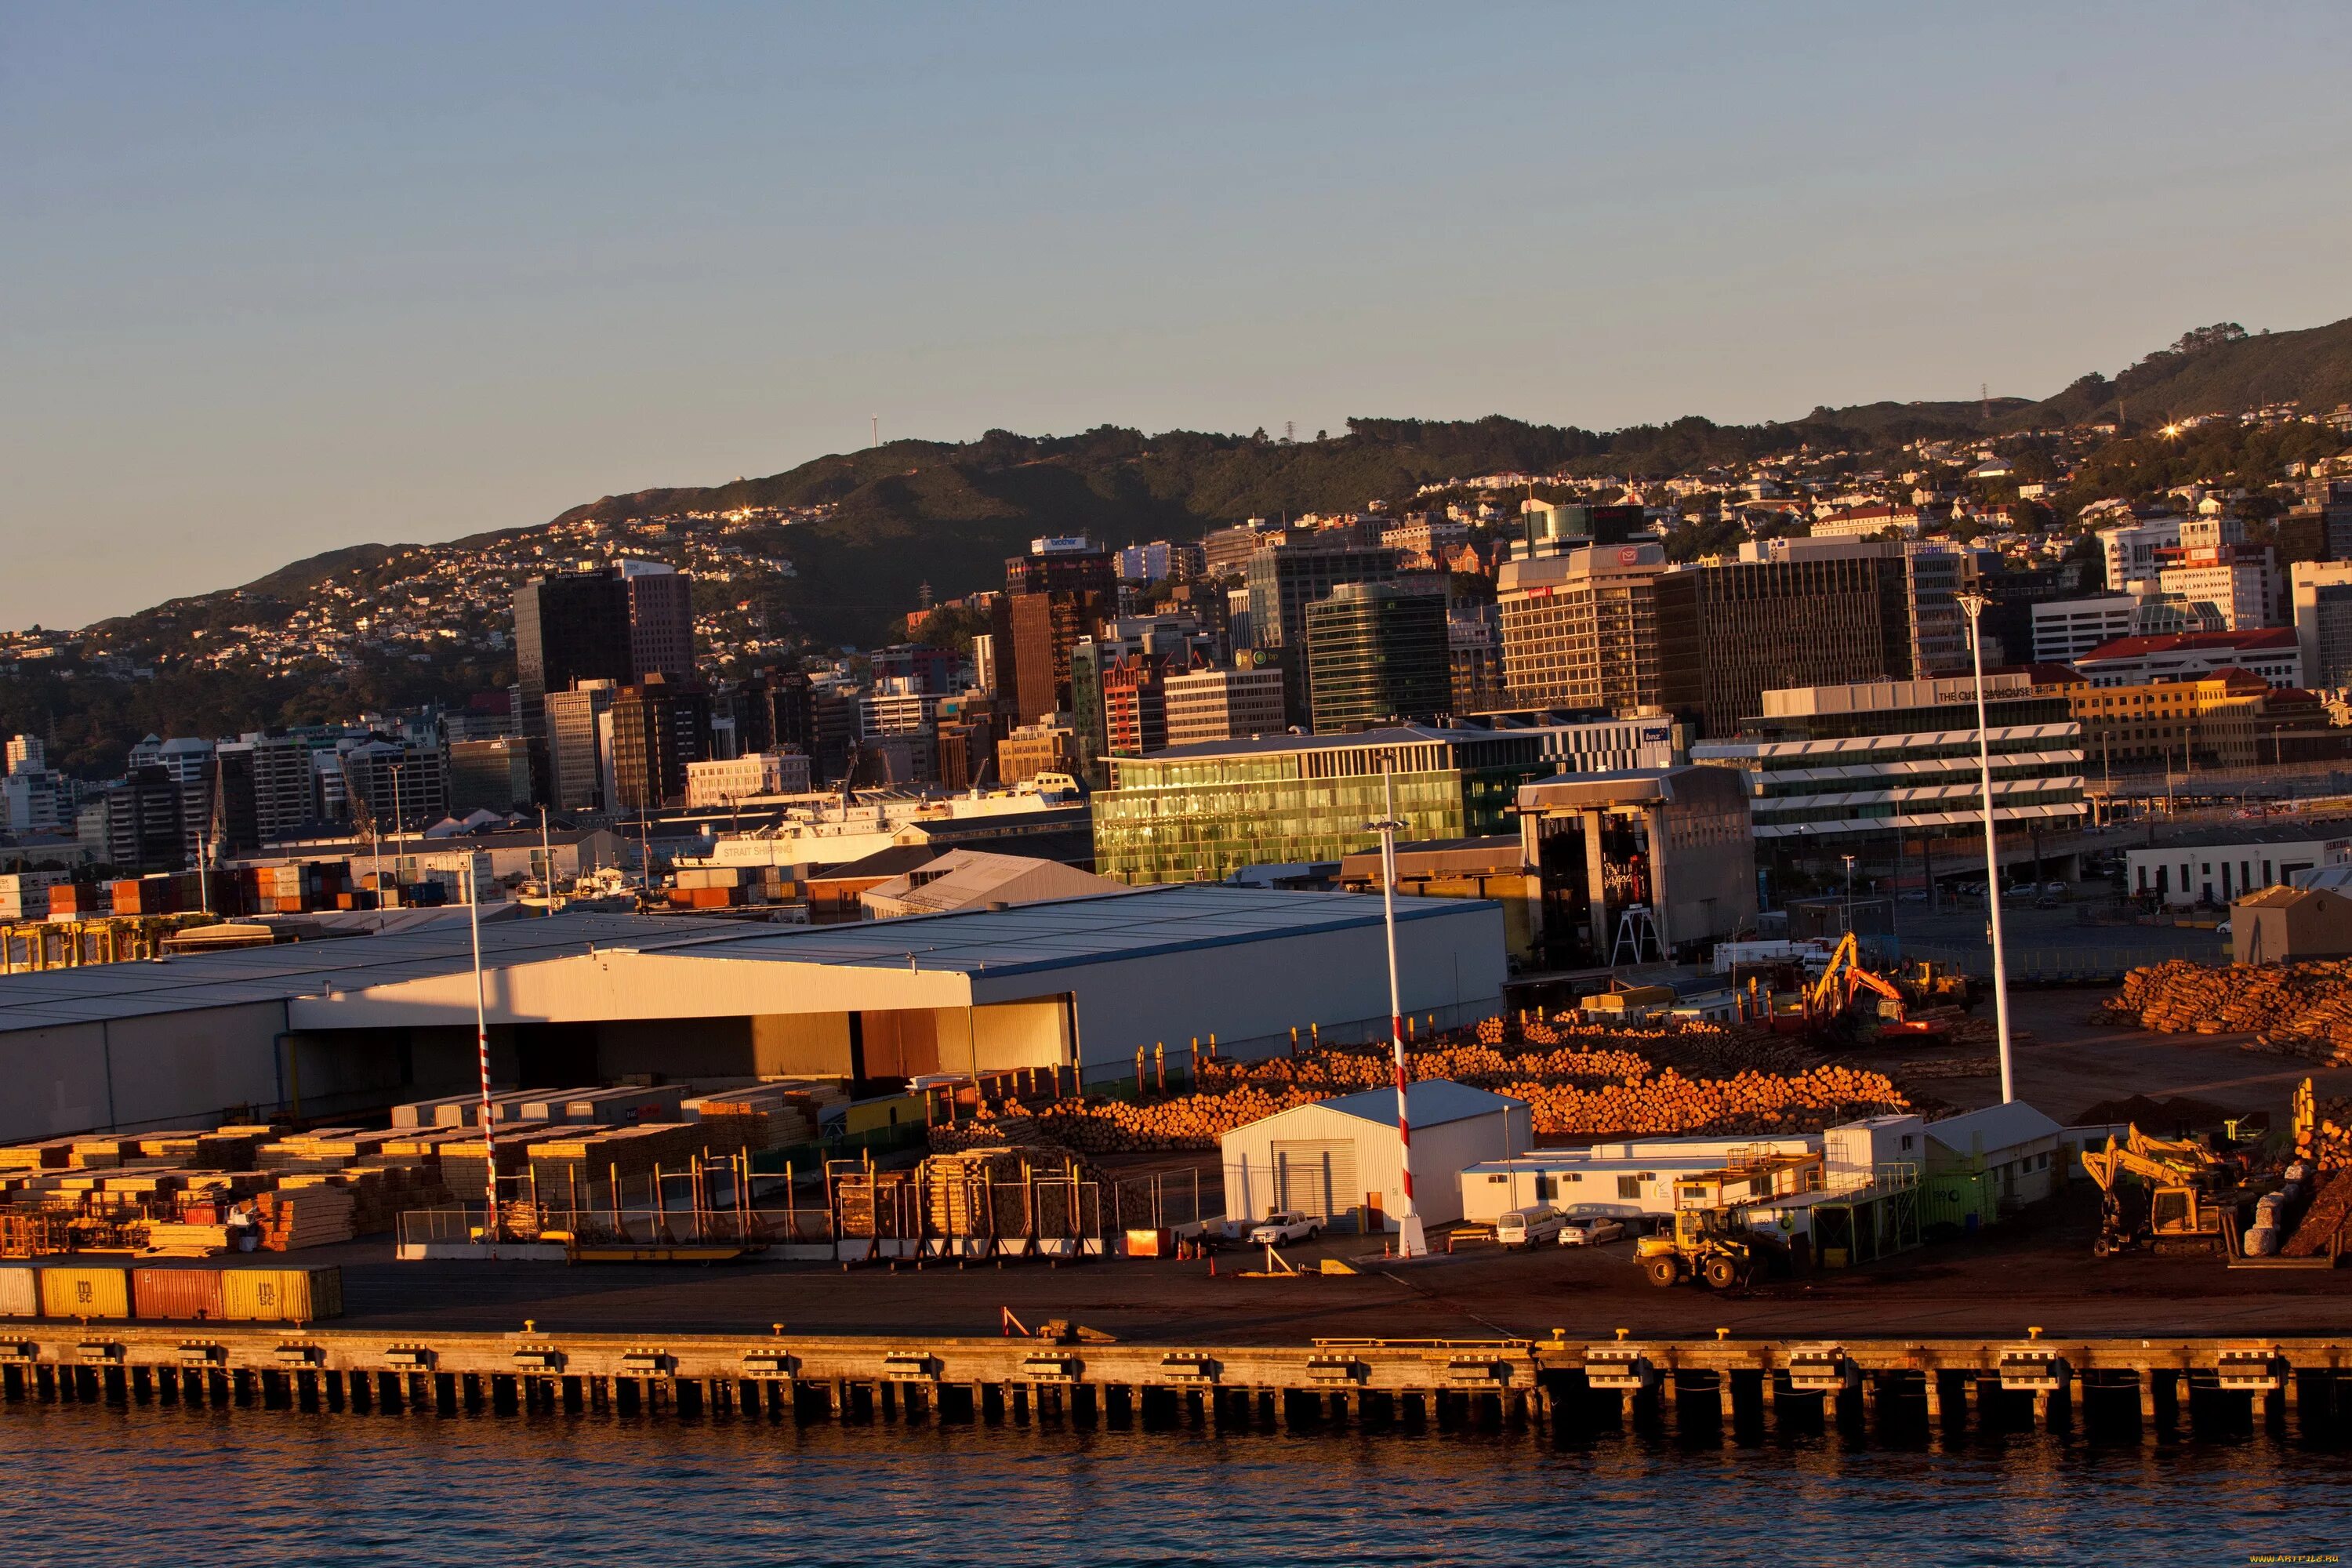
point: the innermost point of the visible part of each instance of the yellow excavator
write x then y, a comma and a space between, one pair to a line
2192, 1195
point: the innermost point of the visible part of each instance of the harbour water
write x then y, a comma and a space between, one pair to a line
96, 1485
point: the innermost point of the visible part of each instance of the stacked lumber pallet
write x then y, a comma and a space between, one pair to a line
180, 1239
48, 1154
294, 1219
1000, 1191
875, 1203
576, 1160
765, 1116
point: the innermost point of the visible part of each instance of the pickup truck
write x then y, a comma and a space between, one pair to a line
1290, 1225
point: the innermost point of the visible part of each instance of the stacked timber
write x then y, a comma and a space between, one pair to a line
1647, 1102
572, 1160
48, 1154
294, 1219
2330, 1212
869, 1204
762, 1117
2292, 1009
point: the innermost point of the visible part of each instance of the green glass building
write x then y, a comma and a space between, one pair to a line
1378, 654
1195, 814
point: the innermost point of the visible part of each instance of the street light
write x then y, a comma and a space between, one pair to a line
1410, 1240
1849, 894
1974, 605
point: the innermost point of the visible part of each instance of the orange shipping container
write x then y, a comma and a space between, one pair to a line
177, 1295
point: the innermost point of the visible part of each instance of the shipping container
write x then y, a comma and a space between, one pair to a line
20, 1291
78, 1291
300, 1294
176, 1295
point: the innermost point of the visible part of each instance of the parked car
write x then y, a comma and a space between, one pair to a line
1591, 1230
1526, 1227
1286, 1225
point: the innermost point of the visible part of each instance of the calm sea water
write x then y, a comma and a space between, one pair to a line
91, 1486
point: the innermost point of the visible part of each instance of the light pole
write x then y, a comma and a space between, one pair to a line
1410, 1240
546, 863
1849, 894
482, 1047
1974, 603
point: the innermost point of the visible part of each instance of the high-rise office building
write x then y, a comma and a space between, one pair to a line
507, 773
658, 728
772, 712
1058, 592
2322, 593
1232, 704
396, 785
1284, 579
1788, 612
134, 825
1579, 628
1377, 653
619, 623
661, 620
580, 760
569, 628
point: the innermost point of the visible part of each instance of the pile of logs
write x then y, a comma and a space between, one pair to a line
1344, 1071
1571, 1091
2294, 1009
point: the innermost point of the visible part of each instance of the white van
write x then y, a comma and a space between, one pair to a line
1530, 1226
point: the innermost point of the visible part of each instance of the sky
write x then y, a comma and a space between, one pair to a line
275, 280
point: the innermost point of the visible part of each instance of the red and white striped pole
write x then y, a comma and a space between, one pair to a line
482, 1046
1410, 1240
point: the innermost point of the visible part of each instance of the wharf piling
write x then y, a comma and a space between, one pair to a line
1568, 1388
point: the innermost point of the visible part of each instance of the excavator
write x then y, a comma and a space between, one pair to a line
2192, 1195
1832, 999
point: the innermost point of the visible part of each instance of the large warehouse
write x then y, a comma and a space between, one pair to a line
345, 1026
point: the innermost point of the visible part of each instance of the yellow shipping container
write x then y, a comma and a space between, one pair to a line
298, 1295
20, 1292
79, 1291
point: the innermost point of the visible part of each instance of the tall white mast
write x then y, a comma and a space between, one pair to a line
1410, 1240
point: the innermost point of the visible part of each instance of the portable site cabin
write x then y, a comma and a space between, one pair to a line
1985, 1163
1338, 1159
1631, 1180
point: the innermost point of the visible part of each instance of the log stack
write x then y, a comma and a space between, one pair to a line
2292, 1009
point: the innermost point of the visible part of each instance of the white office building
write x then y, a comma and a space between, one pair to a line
2065, 629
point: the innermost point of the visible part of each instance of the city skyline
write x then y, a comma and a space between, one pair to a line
294, 283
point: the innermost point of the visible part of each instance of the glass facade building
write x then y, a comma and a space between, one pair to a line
1199, 812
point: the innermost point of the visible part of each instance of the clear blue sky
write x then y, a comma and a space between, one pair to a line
277, 279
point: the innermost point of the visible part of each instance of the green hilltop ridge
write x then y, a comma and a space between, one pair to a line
948, 513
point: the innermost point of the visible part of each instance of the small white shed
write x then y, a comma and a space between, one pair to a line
2015, 1146
1338, 1159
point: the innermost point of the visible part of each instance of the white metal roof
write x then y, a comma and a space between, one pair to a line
2000, 1127
1433, 1102
1131, 923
